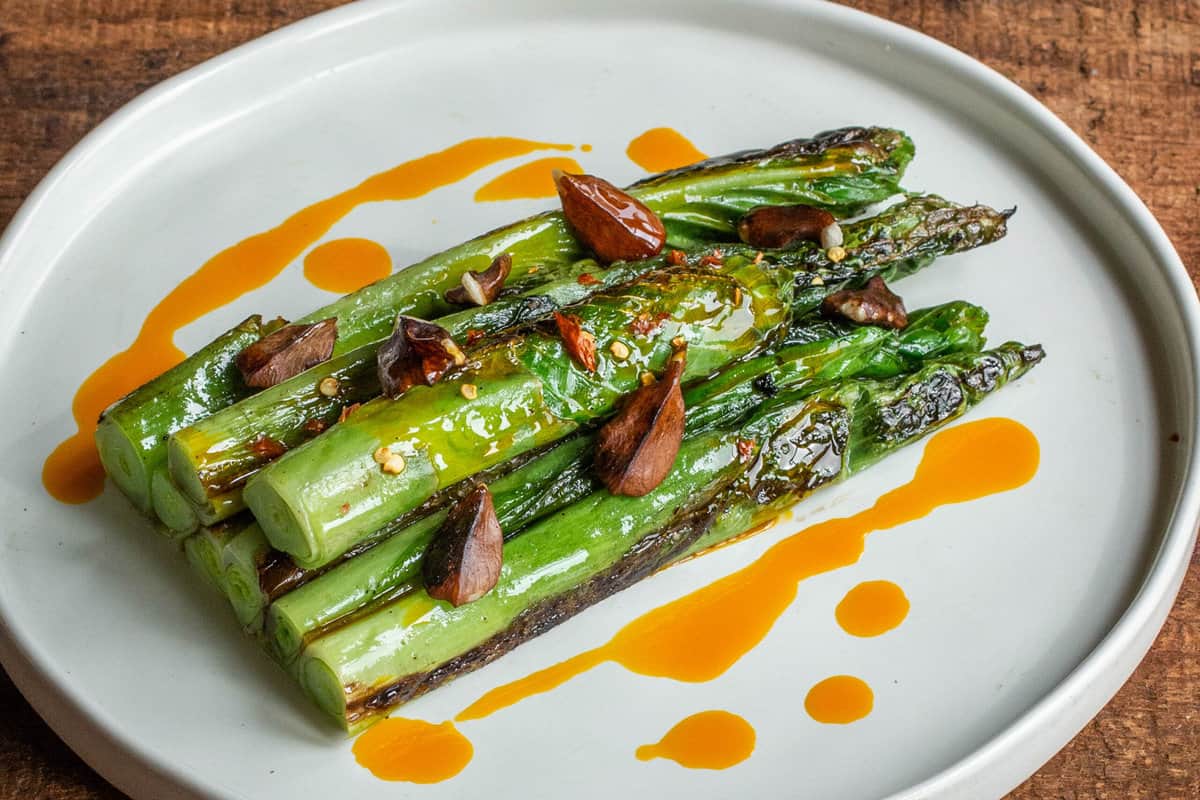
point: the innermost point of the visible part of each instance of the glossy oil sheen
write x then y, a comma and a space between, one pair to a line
527, 182
661, 149
529, 394
839, 700
872, 608
708, 740
346, 265
701, 635
72, 472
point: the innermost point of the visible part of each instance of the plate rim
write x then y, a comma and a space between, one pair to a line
999, 763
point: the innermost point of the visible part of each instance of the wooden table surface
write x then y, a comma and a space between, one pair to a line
1124, 75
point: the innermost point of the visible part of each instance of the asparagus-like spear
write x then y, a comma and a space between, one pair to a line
205, 548
841, 170
526, 391
609, 525
359, 671
881, 417
562, 476
260, 574
540, 487
215, 456
257, 574
131, 432
243, 557
314, 517
178, 516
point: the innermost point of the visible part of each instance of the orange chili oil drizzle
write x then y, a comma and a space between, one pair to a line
72, 472
702, 634
526, 182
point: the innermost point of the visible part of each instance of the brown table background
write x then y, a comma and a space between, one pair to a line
1125, 75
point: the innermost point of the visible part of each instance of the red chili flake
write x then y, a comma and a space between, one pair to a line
580, 344
587, 279
266, 447
474, 335
345, 509
644, 324
676, 258
714, 259
347, 411
745, 448
315, 426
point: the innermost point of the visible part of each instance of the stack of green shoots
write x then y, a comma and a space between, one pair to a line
319, 552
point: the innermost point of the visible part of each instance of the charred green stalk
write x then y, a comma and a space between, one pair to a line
173, 509
841, 170
205, 551
361, 670
541, 394
244, 557
528, 390
610, 526
544, 485
863, 422
563, 475
215, 456
256, 574
131, 434
899, 241
212, 459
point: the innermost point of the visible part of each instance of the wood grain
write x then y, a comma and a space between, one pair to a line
1125, 75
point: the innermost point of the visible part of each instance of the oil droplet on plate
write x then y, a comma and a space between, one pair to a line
660, 149
346, 265
839, 700
413, 750
526, 182
707, 740
872, 608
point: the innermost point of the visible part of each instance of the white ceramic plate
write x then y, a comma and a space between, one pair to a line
1029, 609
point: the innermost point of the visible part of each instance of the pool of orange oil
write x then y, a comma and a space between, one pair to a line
346, 265
700, 635
872, 608
660, 149
708, 740
839, 700
413, 750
